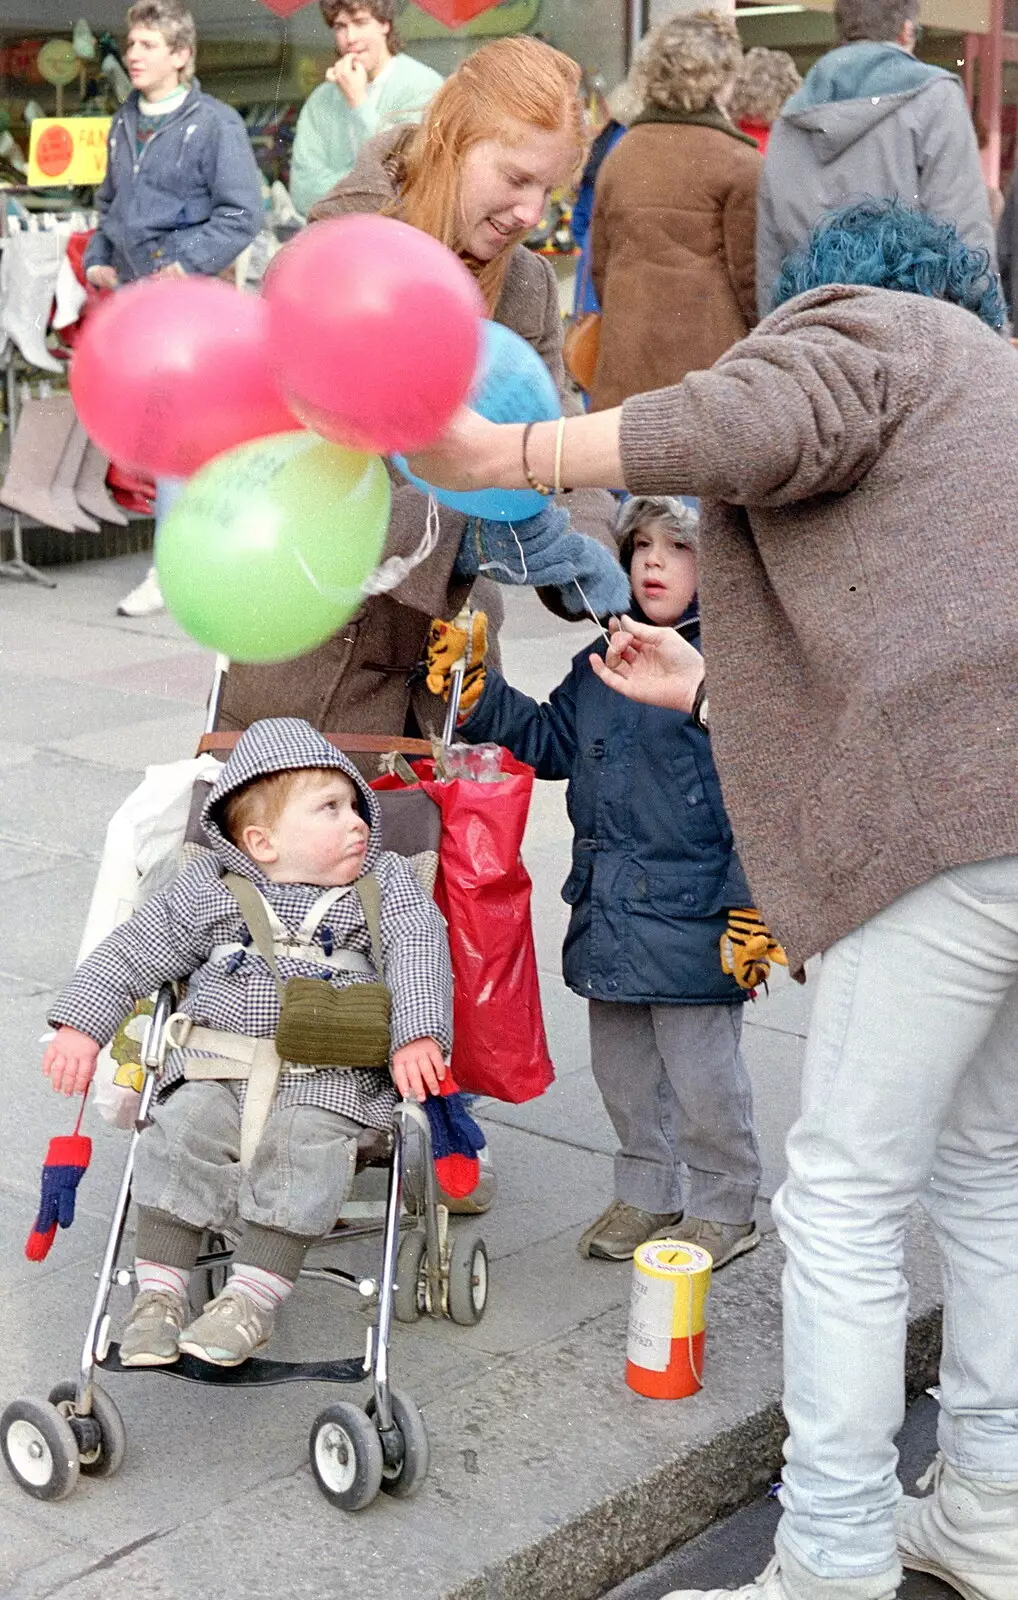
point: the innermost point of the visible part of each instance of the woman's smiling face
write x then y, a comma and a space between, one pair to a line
504, 187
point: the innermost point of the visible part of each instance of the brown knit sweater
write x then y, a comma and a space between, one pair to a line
859, 584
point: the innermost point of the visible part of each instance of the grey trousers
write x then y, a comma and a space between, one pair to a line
187, 1176
674, 1083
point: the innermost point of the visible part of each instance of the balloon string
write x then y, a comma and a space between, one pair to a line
593, 614
398, 568
500, 566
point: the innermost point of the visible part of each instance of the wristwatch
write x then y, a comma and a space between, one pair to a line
699, 712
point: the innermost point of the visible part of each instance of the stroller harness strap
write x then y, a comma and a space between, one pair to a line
234, 1055
301, 945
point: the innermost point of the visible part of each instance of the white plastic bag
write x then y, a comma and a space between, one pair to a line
140, 856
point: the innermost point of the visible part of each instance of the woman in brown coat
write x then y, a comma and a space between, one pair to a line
502, 131
674, 219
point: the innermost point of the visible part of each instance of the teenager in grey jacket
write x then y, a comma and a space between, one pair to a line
869, 120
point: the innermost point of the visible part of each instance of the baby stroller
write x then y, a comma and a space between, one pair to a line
426, 1268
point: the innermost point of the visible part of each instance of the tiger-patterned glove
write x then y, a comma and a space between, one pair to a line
449, 643
748, 948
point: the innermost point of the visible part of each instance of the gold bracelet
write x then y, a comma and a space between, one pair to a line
560, 434
535, 483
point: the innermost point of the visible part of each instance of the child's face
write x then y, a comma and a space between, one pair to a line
320, 836
663, 575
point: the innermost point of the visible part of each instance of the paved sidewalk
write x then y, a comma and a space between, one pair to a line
549, 1477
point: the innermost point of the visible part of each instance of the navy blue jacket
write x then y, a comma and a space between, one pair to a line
654, 869
192, 194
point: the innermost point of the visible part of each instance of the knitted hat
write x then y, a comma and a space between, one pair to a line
680, 522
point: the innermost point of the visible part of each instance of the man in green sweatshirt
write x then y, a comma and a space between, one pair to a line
373, 86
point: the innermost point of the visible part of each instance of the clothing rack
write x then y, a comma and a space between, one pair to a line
15, 566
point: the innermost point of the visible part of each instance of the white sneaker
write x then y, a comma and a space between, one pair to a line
785, 1579
145, 600
965, 1533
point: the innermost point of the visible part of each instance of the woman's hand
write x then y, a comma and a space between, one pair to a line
654, 665
418, 1069
69, 1062
473, 453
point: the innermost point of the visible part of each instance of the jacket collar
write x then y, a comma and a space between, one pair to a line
130, 110
709, 118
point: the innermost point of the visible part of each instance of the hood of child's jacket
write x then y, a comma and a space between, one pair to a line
281, 744
852, 89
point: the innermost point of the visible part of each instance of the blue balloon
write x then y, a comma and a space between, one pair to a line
512, 385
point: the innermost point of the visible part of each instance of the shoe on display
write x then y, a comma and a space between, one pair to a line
151, 1336
785, 1579
231, 1328
723, 1241
145, 600
617, 1232
965, 1533
83, 40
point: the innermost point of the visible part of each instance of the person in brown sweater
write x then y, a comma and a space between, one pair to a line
673, 233
502, 132
858, 560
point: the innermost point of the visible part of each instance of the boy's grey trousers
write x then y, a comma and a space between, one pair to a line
188, 1177
674, 1083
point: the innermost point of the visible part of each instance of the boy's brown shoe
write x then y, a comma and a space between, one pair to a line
619, 1230
723, 1241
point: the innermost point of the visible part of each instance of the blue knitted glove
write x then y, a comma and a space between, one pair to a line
455, 1141
65, 1164
543, 552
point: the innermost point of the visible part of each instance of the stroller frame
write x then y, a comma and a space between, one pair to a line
354, 1452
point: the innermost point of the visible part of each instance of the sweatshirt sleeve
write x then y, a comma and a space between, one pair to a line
951, 183
781, 418
544, 736
415, 955
318, 161
158, 944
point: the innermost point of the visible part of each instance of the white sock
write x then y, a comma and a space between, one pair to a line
267, 1289
157, 1276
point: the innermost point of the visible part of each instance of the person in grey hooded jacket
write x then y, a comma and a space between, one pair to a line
869, 120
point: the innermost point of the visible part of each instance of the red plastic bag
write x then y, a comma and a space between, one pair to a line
483, 891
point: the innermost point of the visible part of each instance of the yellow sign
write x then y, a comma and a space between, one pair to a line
66, 150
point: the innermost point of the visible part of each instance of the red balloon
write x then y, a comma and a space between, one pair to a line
171, 372
375, 330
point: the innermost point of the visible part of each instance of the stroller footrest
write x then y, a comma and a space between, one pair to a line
250, 1373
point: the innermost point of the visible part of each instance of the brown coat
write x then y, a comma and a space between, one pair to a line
672, 253
858, 571
358, 682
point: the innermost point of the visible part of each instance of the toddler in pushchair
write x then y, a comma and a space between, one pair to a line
318, 993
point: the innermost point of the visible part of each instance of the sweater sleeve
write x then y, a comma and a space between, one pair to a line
318, 161
951, 184
544, 736
781, 418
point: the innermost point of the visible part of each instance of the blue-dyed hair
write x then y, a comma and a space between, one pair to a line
890, 246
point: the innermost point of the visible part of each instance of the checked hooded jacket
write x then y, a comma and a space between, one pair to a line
176, 933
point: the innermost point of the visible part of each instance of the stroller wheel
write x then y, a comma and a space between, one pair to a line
403, 1481
39, 1448
346, 1456
108, 1456
410, 1297
468, 1279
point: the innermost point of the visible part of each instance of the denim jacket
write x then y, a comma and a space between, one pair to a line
191, 195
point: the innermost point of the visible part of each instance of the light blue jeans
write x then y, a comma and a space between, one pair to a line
910, 1092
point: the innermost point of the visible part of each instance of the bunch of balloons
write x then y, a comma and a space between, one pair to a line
368, 333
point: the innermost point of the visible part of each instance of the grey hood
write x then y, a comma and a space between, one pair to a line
281, 744
852, 89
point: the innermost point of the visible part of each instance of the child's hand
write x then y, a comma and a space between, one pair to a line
418, 1069
69, 1062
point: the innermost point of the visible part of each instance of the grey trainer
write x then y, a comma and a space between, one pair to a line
618, 1231
231, 1328
151, 1336
722, 1240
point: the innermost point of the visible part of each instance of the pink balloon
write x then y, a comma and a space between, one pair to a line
375, 330
171, 372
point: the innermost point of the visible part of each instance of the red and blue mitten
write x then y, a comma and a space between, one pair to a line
66, 1160
455, 1141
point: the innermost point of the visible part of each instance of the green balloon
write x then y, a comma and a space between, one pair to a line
265, 553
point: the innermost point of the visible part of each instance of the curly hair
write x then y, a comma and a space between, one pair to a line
688, 60
763, 83
174, 23
381, 10
890, 246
